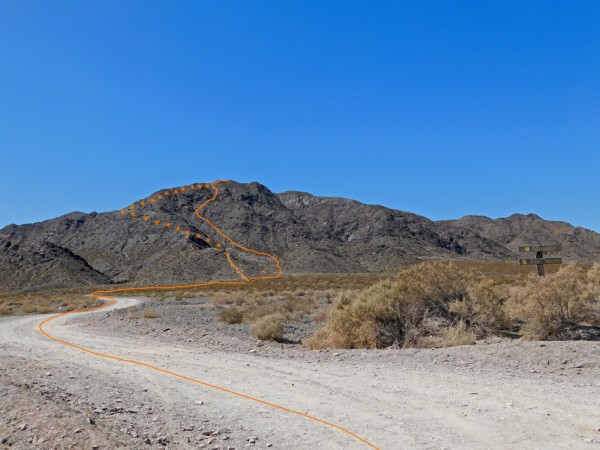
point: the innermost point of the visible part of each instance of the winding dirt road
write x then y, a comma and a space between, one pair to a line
443, 398
109, 389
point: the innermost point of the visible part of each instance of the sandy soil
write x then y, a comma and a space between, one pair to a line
507, 394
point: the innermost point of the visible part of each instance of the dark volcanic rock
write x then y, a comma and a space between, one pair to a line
43, 265
579, 244
379, 238
307, 233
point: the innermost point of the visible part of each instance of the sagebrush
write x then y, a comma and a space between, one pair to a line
269, 327
547, 305
441, 304
395, 311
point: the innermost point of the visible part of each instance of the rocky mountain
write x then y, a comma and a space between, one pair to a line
579, 244
307, 233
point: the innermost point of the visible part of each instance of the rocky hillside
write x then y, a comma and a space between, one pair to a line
307, 233
579, 244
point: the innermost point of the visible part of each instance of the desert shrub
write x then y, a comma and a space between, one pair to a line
295, 308
483, 307
594, 282
258, 307
231, 315
222, 298
457, 334
268, 328
322, 314
150, 313
393, 311
593, 277
547, 305
291, 307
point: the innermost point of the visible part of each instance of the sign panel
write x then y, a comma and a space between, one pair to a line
540, 248
528, 261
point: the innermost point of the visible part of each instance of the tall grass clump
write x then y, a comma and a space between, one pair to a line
457, 334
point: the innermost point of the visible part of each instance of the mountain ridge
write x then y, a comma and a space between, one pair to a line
307, 232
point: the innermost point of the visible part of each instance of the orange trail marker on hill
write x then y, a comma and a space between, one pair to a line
103, 295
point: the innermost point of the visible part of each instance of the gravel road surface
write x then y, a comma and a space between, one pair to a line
507, 394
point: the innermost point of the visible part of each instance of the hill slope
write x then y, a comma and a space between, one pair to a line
579, 244
307, 233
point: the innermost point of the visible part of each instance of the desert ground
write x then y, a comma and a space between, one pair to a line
499, 393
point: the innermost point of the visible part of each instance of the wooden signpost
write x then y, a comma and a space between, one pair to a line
539, 259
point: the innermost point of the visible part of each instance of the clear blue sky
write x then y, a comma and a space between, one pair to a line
443, 108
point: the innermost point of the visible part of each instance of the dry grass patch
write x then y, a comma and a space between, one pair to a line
457, 334
224, 298
150, 313
252, 304
58, 300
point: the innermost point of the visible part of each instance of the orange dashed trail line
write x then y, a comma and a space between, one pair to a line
103, 295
